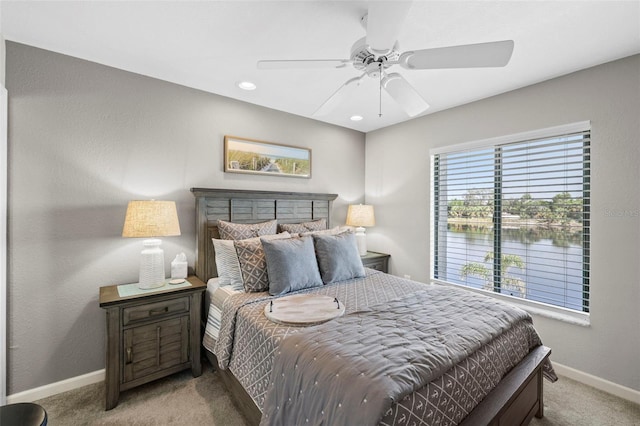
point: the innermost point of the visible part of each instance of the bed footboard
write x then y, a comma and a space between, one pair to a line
517, 398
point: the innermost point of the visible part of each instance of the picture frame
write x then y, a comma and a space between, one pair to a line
250, 156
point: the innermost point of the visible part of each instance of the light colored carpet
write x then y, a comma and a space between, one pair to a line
567, 402
182, 400
179, 399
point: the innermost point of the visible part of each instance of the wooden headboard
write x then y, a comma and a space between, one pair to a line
243, 206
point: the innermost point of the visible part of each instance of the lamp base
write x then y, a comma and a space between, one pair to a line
361, 241
151, 265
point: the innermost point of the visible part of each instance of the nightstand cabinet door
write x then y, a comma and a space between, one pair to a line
155, 347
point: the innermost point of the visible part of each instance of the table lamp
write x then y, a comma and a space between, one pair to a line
361, 215
151, 219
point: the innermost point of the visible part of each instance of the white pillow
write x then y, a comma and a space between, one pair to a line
227, 263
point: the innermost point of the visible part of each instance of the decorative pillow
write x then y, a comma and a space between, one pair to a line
314, 225
291, 264
243, 231
338, 257
229, 273
253, 264
333, 231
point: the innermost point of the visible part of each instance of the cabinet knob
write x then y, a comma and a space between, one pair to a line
129, 355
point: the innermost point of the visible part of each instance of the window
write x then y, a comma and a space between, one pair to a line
511, 216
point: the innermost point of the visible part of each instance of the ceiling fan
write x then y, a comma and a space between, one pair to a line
378, 51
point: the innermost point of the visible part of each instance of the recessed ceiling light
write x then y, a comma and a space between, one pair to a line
356, 117
246, 85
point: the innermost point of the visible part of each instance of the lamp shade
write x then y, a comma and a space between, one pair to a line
151, 219
360, 215
147, 219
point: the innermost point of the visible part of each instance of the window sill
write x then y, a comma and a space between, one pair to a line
534, 308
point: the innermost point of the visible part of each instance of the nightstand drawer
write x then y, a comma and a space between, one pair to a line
378, 265
377, 261
156, 310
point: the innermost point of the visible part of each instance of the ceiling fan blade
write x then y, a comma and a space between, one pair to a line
404, 94
492, 54
384, 22
343, 92
302, 63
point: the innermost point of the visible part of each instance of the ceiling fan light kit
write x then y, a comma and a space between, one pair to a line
378, 51
400, 90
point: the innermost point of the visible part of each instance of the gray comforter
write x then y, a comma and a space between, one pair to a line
352, 369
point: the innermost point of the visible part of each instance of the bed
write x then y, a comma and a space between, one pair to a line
493, 377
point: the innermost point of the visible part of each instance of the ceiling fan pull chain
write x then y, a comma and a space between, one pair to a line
380, 89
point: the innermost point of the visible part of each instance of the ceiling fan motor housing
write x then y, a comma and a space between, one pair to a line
364, 59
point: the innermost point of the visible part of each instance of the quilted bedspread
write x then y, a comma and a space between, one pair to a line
350, 371
431, 374
243, 320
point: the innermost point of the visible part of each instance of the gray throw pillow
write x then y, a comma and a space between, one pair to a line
338, 257
291, 265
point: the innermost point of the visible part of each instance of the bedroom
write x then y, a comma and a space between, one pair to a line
105, 136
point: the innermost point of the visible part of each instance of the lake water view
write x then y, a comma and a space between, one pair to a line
553, 260
536, 193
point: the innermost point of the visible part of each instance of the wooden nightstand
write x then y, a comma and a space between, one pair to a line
150, 335
378, 261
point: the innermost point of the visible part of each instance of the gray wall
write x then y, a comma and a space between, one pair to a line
84, 139
398, 184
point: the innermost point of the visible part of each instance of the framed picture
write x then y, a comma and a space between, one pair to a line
265, 158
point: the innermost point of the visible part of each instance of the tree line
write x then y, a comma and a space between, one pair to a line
478, 203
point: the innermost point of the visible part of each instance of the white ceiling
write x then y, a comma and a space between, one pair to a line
211, 45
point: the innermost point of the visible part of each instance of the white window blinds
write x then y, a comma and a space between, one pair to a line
513, 218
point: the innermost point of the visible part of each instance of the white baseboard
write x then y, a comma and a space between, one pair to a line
98, 376
56, 388
598, 383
